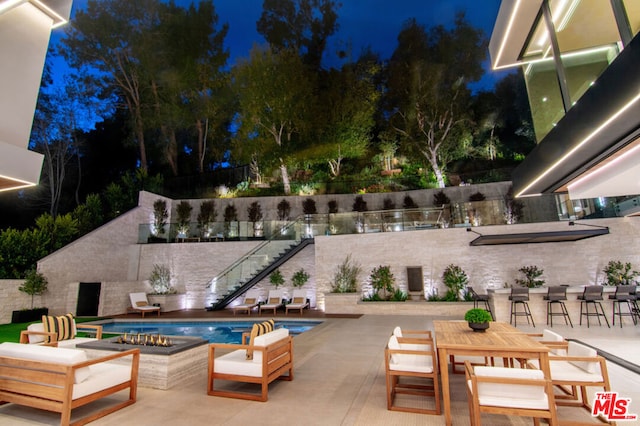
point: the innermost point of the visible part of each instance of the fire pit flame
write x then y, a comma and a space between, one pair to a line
144, 340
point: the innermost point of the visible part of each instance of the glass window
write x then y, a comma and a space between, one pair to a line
541, 78
632, 8
588, 39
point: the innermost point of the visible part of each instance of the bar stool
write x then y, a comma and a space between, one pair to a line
480, 298
520, 297
624, 294
556, 295
592, 295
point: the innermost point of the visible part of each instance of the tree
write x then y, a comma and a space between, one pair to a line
273, 92
34, 284
344, 116
428, 98
302, 26
154, 59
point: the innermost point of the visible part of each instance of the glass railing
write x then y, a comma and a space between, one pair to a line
254, 262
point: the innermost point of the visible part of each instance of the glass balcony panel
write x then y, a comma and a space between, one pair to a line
632, 8
588, 39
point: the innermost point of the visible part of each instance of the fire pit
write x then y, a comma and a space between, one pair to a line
147, 343
176, 361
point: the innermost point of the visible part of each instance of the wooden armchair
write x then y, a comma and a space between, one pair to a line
415, 365
509, 391
266, 358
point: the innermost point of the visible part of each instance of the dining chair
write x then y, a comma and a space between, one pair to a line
509, 391
556, 295
591, 296
480, 298
624, 294
411, 372
520, 297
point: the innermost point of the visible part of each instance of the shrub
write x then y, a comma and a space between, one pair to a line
382, 280
531, 274
388, 204
477, 315
276, 278
455, 279
440, 198
618, 273
408, 203
309, 206
333, 206
345, 280
206, 217
359, 204
160, 280
299, 278
184, 216
284, 209
160, 216
478, 196
399, 296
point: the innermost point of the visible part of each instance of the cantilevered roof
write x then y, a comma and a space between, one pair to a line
538, 237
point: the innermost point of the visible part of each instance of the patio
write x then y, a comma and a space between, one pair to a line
339, 380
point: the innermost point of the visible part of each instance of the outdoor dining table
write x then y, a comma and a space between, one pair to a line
500, 340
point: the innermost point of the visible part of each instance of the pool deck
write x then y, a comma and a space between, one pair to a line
339, 380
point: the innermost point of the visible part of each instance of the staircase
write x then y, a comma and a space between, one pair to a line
256, 265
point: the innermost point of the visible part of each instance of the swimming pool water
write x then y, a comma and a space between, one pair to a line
213, 331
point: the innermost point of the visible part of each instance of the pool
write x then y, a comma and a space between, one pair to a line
213, 331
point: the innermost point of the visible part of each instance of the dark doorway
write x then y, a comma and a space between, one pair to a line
88, 300
414, 278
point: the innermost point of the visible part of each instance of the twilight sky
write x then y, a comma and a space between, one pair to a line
362, 23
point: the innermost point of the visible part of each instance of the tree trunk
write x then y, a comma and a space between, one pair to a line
285, 178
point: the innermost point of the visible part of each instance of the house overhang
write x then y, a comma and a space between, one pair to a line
537, 237
25, 29
594, 150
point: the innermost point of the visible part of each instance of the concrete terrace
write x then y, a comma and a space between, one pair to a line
339, 380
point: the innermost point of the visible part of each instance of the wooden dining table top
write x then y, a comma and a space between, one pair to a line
499, 336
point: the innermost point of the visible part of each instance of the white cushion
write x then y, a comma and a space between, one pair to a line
511, 395
236, 363
266, 340
38, 326
408, 362
50, 354
576, 349
397, 331
103, 375
551, 336
566, 371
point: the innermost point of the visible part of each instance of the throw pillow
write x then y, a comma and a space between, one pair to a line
257, 330
143, 303
274, 300
298, 300
250, 301
63, 326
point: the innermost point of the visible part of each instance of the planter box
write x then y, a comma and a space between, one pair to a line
351, 303
28, 315
169, 302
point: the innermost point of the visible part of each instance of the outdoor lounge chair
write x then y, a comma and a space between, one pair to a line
299, 301
274, 301
139, 303
250, 301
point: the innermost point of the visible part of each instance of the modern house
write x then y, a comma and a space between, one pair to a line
580, 60
25, 27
